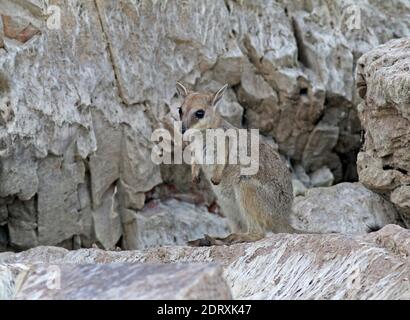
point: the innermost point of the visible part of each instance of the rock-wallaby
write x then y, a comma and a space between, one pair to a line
253, 204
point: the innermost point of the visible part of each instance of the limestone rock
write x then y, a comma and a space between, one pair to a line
383, 81
322, 177
174, 222
345, 208
299, 188
119, 281
281, 266
300, 174
56, 167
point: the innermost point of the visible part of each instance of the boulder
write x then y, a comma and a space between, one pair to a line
343, 208
174, 222
383, 81
322, 177
299, 188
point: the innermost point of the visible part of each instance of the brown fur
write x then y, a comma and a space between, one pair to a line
253, 204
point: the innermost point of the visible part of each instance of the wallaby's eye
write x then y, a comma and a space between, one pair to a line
200, 114
180, 111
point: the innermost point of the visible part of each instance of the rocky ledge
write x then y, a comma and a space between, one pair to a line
281, 266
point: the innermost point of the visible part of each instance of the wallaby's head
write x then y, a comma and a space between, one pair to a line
198, 111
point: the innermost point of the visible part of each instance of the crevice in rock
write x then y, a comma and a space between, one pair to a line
4, 237
373, 228
319, 119
389, 167
302, 57
227, 6
349, 167
110, 54
304, 91
87, 182
35, 201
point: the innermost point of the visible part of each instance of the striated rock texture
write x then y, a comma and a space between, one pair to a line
81, 95
384, 83
119, 281
282, 266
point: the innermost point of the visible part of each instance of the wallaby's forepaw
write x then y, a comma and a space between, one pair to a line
207, 241
233, 238
215, 181
196, 179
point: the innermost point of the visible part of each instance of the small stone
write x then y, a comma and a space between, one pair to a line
322, 177
342, 208
299, 188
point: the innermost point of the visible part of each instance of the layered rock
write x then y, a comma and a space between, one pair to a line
282, 266
119, 281
383, 81
80, 97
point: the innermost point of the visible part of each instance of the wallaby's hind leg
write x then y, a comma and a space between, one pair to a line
195, 173
231, 239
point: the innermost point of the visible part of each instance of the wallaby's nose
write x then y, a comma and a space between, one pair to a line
183, 129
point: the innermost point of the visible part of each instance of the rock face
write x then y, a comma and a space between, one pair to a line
383, 81
282, 266
84, 83
176, 223
343, 208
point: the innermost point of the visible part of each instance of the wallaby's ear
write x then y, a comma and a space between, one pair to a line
218, 95
182, 91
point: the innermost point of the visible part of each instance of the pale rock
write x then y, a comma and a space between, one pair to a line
401, 197
344, 208
383, 81
322, 139
107, 221
119, 281
299, 188
301, 175
174, 222
154, 44
322, 177
6, 282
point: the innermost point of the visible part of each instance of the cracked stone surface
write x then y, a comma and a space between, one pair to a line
78, 104
384, 84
